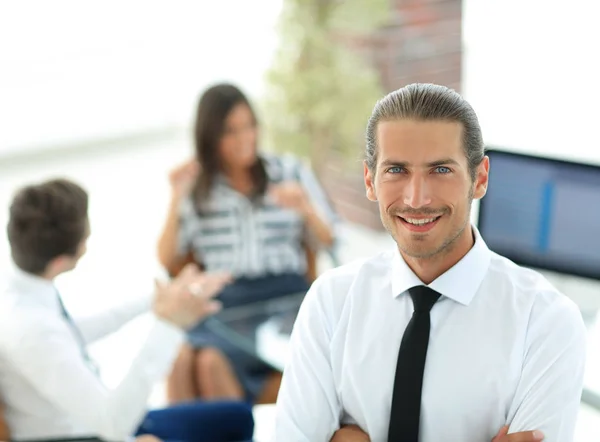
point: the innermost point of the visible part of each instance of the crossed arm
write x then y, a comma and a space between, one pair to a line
353, 433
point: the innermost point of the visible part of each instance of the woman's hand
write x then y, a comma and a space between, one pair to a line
183, 177
290, 195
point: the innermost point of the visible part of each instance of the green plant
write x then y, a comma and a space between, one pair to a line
319, 91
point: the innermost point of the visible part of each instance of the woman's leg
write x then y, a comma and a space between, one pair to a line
225, 371
224, 421
270, 389
181, 383
215, 376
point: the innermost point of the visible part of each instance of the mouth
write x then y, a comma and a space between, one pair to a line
419, 224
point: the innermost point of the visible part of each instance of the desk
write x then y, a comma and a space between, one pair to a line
263, 329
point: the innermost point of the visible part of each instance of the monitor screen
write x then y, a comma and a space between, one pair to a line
543, 213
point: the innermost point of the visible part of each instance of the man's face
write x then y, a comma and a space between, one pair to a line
423, 185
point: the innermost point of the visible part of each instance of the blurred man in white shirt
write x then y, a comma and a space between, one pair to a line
49, 385
495, 344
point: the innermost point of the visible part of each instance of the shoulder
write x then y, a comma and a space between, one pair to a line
282, 167
547, 306
23, 325
327, 297
332, 289
344, 276
283, 159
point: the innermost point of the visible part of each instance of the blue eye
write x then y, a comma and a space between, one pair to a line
442, 170
394, 169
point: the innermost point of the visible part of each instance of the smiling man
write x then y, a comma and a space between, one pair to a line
439, 339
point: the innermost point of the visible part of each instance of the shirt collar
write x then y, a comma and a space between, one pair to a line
39, 290
459, 283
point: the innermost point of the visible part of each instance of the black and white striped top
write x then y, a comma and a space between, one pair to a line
252, 239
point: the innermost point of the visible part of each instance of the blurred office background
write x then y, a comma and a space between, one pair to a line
104, 93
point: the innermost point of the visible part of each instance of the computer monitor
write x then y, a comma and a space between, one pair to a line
543, 213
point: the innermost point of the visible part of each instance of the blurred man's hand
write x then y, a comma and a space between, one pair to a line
188, 298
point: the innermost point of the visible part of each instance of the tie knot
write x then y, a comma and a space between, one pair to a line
423, 298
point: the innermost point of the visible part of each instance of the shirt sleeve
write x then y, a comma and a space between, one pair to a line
319, 200
308, 408
49, 359
549, 392
98, 325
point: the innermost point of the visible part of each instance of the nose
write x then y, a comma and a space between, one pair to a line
417, 193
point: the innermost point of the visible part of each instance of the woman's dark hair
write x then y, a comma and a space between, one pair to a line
213, 108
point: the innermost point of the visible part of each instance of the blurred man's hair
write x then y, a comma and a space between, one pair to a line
427, 102
46, 220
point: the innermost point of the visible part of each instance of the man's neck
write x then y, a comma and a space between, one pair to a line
49, 274
48, 277
429, 269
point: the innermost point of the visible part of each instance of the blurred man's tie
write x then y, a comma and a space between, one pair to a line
77, 335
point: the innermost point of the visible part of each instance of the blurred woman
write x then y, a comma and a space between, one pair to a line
237, 210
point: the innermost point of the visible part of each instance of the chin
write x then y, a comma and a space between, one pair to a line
414, 248
419, 253
417, 246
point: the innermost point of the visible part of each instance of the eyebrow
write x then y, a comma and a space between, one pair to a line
436, 163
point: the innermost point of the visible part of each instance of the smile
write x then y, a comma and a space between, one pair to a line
419, 224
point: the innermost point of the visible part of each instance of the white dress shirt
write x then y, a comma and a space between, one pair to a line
48, 388
505, 348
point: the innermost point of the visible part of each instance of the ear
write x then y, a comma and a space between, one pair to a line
369, 183
482, 178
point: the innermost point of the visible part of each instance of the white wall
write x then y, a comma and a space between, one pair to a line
532, 72
73, 70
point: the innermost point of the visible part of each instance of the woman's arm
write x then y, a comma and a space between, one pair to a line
181, 179
293, 195
168, 254
320, 228
321, 218
306, 195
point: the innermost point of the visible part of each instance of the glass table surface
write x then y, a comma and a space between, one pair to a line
262, 329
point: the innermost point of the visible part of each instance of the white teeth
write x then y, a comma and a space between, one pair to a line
419, 222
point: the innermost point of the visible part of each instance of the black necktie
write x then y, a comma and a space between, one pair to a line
406, 401
77, 335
